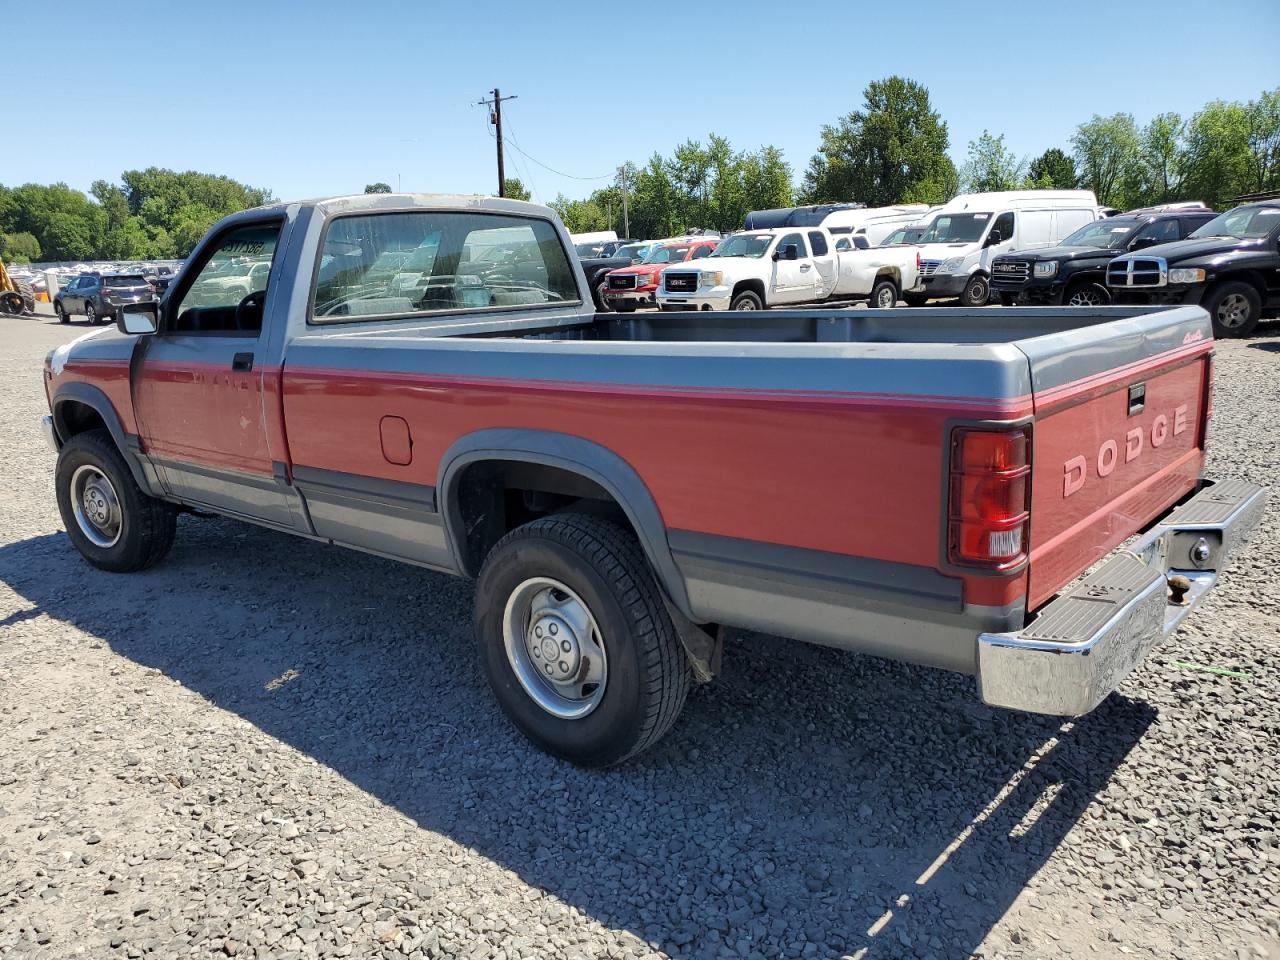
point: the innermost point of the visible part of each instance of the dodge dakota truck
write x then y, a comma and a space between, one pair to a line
759, 269
947, 487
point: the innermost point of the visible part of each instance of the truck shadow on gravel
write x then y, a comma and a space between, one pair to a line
870, 809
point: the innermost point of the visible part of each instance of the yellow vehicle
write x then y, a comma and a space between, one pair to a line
16, 296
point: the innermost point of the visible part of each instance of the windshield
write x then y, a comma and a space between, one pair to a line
957, 228
744, 245
1246, 223
588, 249
632, 251
1108, 234
667, 255
138, 281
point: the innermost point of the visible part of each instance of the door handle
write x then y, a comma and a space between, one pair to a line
804, 267
242, 362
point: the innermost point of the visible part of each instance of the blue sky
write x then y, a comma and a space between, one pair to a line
321, 98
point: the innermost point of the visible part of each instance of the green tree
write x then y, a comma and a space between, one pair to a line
1053, 170
19, 248
515, 190
1106, 150
1159, 167
579, 216
991, 166
1218, 156
378, 187
892, 149
1263, 117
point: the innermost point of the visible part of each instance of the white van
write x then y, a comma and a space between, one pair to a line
974, 228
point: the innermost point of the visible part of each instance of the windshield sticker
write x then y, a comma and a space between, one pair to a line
242, 248
981, 216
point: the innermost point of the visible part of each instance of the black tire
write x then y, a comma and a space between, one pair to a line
598, 294
648, 674
1234, 307
1008, 299
884, 290
146, 526
28, 296
915, 299
1086, 293
63, 316
90, 315
625, 306
746, 300
976, 292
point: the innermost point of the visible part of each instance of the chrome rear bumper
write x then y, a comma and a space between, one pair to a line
1082, 644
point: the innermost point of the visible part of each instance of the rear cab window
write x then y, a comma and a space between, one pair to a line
400, 264
125, 281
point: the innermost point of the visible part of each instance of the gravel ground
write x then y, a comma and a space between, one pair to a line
268, 748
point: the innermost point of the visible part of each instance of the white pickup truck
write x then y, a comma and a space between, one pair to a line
758, 269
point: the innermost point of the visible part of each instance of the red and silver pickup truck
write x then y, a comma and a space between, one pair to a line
927, 486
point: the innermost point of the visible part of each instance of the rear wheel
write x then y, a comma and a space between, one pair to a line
62, 314
884, 294
975, 292
110, 520
575, 640
746, 300
1235, 309
1087, 295
90, 315
28, 296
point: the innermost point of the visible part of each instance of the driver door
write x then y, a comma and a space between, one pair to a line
198, 385
792, 279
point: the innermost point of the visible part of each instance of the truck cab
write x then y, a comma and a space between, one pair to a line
970, 231
1075, 273
1230, 266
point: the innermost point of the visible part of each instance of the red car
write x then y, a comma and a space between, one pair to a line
630, 287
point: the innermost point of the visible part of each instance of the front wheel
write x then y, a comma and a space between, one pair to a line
576, 643
746, 300
1088, 295
1235, 309
110, 520
602, 303
975, 292
884, 294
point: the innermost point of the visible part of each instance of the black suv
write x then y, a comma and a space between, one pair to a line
99, 295
1075, 273
1230, 266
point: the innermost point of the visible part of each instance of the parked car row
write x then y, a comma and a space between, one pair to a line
99, 296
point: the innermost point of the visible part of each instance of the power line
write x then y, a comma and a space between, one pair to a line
558, 173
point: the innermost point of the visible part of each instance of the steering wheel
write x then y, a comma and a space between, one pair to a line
256, 299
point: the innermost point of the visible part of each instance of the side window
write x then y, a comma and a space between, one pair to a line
1162, 231
819, 243
399, 264
702, 252
229, 287
1067, 222
843, 244
798, 240
1004, 223
1189, 226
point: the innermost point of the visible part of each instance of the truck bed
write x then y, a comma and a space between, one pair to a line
811, 439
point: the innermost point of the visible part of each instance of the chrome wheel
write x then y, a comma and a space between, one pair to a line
1086, 297
96, 506
744, 304
886, 298
1233, 311
90, 314
554, 647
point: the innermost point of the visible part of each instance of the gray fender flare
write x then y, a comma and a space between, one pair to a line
126, 443
576, 455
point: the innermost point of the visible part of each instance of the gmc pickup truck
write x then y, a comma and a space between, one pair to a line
928, 486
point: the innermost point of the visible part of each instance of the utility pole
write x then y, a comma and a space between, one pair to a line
495, 117
626, 218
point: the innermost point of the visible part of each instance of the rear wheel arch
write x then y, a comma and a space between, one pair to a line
476, 468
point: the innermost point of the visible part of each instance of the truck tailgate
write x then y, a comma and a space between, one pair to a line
1118, 438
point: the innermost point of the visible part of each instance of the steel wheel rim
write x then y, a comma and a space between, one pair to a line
1233, 311
979, 292
886, 299
555, 649
96, 506
745, 305
1085, 298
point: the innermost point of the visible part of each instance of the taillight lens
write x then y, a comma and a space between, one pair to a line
1207, 402
989, 497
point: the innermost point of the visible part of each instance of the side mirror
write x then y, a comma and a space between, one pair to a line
138, 318
1141, 243
789, 252
993, 238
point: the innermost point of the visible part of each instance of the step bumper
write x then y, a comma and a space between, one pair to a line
1085, 642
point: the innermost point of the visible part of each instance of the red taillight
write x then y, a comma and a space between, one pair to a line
917, 261
1207, 402
989, 496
